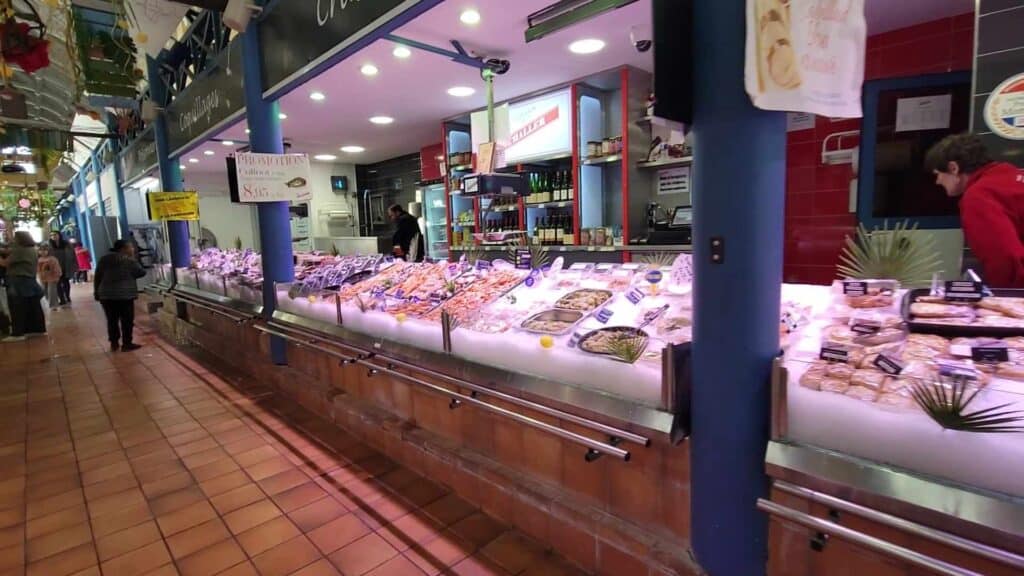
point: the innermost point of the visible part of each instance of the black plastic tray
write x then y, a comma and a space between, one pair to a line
954, 331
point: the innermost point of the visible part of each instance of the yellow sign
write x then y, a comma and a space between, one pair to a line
173, 205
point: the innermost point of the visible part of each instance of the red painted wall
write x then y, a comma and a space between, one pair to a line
817, 196
430, 162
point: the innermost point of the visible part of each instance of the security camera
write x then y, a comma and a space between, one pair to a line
639, 43
498, 66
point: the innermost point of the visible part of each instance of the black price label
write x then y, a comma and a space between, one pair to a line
855, 288
866, 328
990, 354
888, 365
833, 353
964, 291
523, 259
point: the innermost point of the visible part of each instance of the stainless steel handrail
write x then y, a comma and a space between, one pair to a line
238, 318
594, 445
611, 431
913, 528
863, 540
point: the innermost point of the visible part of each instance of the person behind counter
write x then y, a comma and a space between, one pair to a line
116, 289
407, 232
991, 205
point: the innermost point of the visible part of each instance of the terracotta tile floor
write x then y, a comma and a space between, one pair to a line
147, 463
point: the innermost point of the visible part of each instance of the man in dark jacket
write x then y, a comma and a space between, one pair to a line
64, 252
115, 288
407, 231
991, 205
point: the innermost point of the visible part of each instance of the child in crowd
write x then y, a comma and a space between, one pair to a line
49, 275
84, 263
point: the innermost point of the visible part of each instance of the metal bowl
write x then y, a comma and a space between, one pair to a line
571, 316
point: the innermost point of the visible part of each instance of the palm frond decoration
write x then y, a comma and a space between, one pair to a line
658, 259
902, 254
628, 349
361, 303
947, 403
473, 254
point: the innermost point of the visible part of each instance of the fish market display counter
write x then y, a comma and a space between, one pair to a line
866, 479
555, 399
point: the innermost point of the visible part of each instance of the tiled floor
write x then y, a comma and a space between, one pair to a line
146, 463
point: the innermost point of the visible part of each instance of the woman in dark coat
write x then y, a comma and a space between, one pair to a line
23, 291
65, 255
116, 289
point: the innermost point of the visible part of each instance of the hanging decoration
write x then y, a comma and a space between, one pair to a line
23, 41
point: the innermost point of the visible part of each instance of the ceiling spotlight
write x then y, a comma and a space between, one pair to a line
181, 166
317, 96
247, 130
401, 52
193, 160
461, 91
369, 70
209, 152
227, 143
282, 116
325, 157
352, 149
470, 16
382, 119
586, 46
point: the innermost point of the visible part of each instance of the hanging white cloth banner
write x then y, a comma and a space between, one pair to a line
156, 20
806, 56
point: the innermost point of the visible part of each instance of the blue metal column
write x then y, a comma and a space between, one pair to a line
97, 170
739, 193
78, 215
170, 170
122, 206
79, 181
275, 228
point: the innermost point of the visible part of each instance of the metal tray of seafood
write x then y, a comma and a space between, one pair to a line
571, 316
589, 338
560, 304
953, 330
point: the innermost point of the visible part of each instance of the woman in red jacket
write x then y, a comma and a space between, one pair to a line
991, 205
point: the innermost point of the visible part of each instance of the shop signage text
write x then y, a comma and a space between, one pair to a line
173, 205
539, 127
139, 157
273, 177
1004, 109
806, 55
207, 102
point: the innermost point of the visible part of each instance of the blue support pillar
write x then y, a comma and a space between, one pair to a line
97, 170
275, 228
122, 206
87, 230
77, 214
170, 170
739, 192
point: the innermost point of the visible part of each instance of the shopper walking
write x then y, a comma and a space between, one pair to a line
115, 288
64, 252
23, 292
84, 259
50, 275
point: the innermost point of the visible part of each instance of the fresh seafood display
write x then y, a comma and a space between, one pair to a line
245, 265
484, 290
605, 340
583, 300
552, 321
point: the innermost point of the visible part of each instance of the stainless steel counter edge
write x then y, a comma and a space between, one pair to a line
995, 519
597, 406
238, 305
597, 249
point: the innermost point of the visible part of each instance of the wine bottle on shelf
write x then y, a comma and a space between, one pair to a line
569, 233
559, 239
536, 230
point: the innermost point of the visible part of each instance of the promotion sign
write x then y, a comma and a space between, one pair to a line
1004, 109
540, 127
806, 55
173, 205
273, 177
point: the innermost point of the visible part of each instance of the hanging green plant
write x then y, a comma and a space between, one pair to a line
902, 253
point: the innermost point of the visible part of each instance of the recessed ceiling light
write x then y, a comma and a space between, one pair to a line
209, 152
317, 96
470, 16
369, 70
193, 160
181, 166
352, 149
461, 91
247, 130
401, 52
282, 116
228, 142
382, 119
586, 46
325, 157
